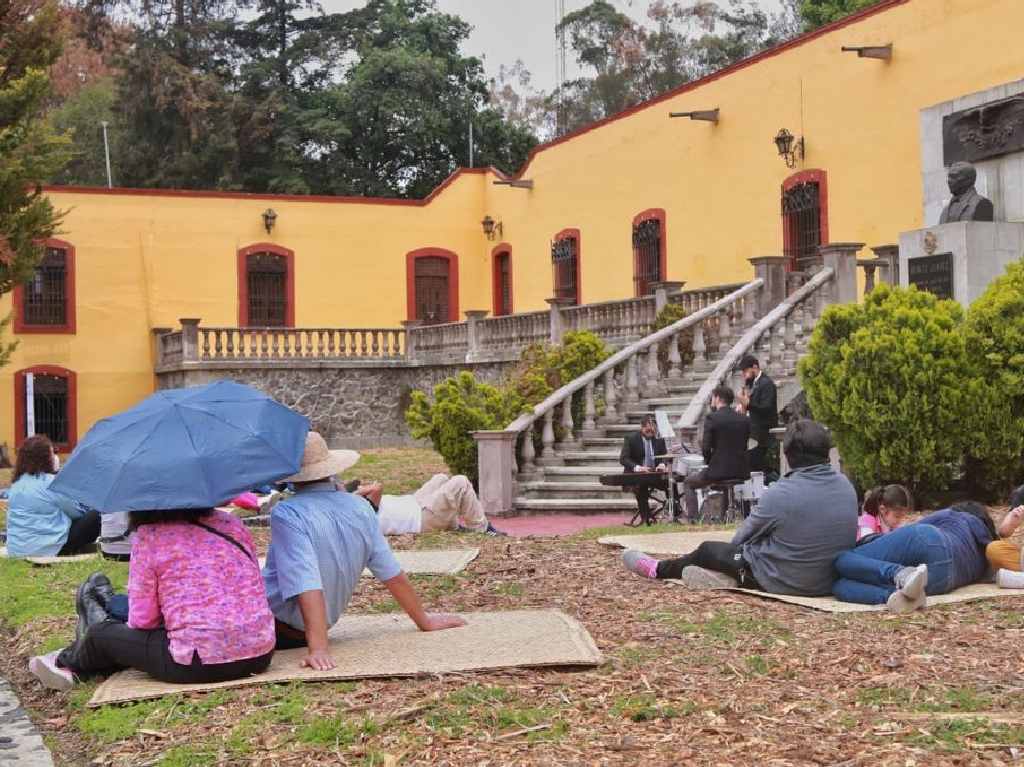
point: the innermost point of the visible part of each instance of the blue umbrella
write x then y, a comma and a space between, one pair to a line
184, 449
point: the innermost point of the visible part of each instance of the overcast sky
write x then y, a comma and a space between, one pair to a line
506, 30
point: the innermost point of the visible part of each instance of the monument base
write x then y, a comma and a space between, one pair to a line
959, 260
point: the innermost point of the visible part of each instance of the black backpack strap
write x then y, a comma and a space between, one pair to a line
227, 538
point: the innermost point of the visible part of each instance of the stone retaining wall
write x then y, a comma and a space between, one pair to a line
355, 406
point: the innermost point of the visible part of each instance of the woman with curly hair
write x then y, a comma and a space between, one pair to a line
40, 522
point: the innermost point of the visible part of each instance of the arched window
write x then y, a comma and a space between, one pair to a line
804, 218
46, 303
432, 285
45, 402
565, 263
502, 280
266, 286
649, 252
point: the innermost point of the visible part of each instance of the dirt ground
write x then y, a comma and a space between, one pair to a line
690, 678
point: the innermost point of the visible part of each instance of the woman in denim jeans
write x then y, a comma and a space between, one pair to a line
940, 553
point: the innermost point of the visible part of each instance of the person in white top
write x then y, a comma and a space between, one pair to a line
443, 503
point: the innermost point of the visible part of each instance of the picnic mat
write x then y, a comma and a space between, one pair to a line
366, 646
666, 543
439, 562
833, 605
53, 560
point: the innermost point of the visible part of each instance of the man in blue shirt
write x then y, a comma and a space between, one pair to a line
320, 540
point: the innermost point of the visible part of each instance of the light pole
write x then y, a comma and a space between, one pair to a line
106, 151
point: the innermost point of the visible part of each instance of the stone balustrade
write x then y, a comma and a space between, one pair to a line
300, 343
604, 395
613, 320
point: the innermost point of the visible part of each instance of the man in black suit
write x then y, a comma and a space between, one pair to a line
724, 445
638, 455
760, 400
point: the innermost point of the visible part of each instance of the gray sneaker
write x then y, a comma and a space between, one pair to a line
912, 581
700, 578
1009, 579
898, 602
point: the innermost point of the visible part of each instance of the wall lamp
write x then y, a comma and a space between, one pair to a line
883, 52
491, 227
706, 115
790, 147
269, 217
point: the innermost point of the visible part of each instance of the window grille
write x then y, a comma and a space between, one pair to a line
267, 277
50, 403
801, 218
431, 287
45, 295
566, 265
646, 255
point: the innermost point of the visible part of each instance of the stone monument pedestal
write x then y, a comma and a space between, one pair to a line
959, 260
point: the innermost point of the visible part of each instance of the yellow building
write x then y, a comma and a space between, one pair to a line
602, 212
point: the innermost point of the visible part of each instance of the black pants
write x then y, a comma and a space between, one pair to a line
692, 483
83, 532
111, 646
288, 637
712, 555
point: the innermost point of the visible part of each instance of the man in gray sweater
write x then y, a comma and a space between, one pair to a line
788, 544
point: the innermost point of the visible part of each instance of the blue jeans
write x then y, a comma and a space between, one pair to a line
867, 573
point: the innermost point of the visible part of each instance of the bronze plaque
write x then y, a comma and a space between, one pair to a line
991, 130
932, 273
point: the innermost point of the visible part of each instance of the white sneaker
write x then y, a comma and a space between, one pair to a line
912, 581
1009, 579
700, 578
899, 602
45, 669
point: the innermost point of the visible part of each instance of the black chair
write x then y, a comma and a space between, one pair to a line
730, 513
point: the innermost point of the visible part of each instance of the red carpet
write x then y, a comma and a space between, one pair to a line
557, 524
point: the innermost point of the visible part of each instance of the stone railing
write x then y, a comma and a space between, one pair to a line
698, 298
613, 320
447, 340
778, 339
635, 368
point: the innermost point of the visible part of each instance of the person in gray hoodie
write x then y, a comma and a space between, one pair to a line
788, 544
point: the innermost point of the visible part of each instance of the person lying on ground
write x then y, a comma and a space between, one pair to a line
40, 522
1004, 556
197, 610
885, 508
787, 545
321, 538
443, 503
938, 554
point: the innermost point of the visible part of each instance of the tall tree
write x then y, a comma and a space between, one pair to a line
30, 41
817, 13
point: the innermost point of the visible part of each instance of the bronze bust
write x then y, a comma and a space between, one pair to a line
967, 204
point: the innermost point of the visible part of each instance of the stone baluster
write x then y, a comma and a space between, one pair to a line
496, 457
218, 348
589, 410
724, 329
610, 414
778, 344
749, 311
799, 328
568, 427
699, 347
790, 357
547, 441
653, 383
675, 361
375, 340
869, 274
529, 464
632, 382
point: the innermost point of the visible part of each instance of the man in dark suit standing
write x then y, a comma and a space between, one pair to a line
638, 455
724, 445
760, 400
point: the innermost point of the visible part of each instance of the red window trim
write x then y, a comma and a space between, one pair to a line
653, 214
19, 404
564, 235
70, 325
495, 279
453, 280
803, 177
243, 281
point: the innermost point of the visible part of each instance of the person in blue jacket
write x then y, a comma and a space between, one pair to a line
40, 522
938, 554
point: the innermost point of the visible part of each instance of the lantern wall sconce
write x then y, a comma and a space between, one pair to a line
790, 147
491, 227
269, 218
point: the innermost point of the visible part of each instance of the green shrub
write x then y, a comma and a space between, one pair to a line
461, 405
892, 379
994, 337
544, 368
669, 315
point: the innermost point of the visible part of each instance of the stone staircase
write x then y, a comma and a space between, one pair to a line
563, 476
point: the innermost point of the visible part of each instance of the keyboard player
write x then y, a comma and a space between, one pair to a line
640, 453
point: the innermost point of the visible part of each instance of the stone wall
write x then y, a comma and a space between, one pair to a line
357, 406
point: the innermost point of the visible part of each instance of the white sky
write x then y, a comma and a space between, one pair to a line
506, 30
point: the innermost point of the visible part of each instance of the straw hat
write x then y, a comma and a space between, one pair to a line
319, 463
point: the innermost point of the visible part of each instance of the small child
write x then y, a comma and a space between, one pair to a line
885, 508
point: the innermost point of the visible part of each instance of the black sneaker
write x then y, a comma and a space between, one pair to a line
101, 588
88, 606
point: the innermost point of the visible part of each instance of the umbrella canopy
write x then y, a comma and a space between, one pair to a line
186, 448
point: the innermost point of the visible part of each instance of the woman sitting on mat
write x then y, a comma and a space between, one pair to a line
197, 613
885, 508
40, 522
940, 553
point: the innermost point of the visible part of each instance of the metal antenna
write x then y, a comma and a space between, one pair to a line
560, 73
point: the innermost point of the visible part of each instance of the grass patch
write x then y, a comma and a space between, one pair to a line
756, 664
509, 589
646, 708
637, 655
430, 587
723, 628
187, 756
400, 470
475, 694
29, 592
336, 731
112, 723
958, 734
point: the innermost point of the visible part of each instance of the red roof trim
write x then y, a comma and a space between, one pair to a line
214, 194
